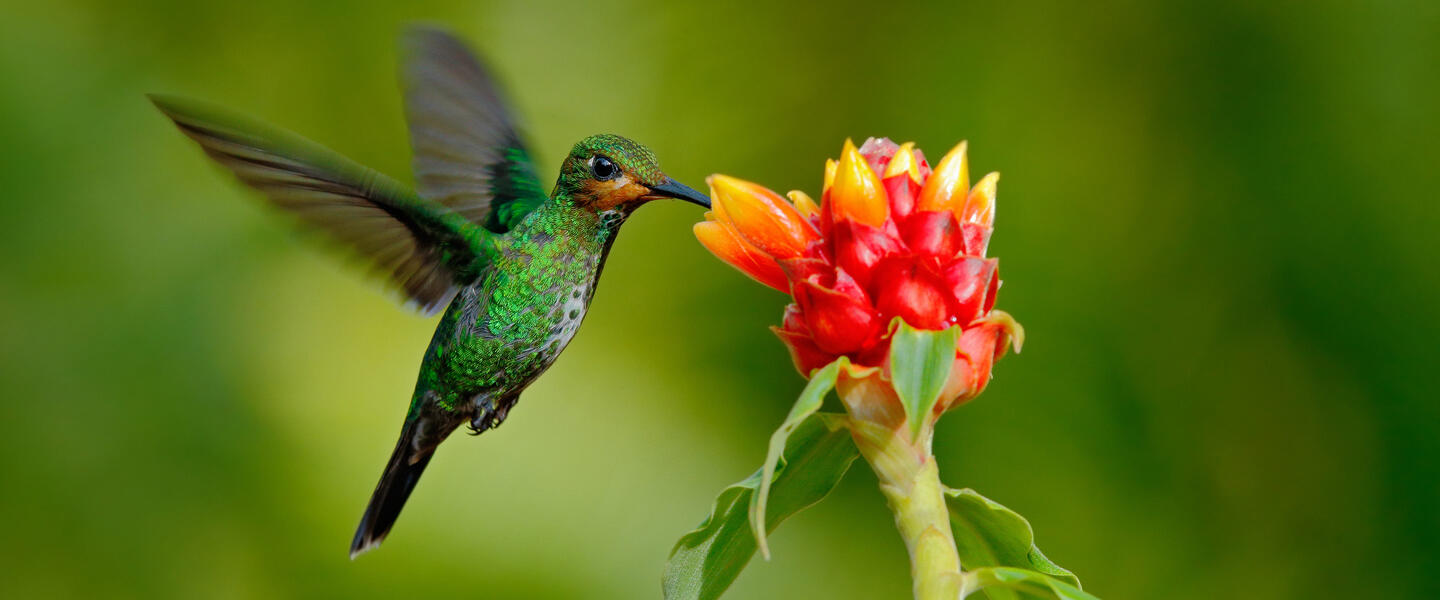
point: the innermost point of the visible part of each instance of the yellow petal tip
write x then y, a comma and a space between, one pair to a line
804, 204
980, 203
949, 184
857, 194
904, 162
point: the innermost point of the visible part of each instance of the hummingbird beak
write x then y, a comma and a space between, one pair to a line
678, 191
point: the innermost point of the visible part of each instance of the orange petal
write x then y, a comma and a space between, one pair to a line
857, 194
722, 241
804, 205
761, 216
904, 162
980, 205
947, 186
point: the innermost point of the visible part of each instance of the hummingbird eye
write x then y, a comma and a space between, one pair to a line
603, 168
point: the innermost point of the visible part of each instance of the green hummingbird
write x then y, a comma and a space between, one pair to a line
514, 268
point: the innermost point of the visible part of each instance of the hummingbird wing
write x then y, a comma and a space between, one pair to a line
468, 155
426, 249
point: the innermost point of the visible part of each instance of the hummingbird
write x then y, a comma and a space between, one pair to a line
513, 268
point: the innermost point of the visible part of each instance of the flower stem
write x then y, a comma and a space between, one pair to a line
910, 481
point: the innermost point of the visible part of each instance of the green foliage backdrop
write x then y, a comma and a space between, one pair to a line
1217, 223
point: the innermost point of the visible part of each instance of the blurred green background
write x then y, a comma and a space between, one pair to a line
1217, 222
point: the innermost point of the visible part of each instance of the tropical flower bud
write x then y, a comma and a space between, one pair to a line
890, 238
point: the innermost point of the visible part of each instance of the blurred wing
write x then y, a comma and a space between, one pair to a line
426, 249
468, 155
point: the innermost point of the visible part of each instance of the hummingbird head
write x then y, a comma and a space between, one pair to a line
607, 173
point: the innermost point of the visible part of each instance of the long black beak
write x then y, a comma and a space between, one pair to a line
679, 191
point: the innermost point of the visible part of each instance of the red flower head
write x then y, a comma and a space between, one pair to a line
890, 238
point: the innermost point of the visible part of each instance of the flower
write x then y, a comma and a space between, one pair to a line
891, 238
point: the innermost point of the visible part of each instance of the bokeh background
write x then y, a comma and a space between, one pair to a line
1217, 222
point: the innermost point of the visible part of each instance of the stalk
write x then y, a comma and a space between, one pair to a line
910, 481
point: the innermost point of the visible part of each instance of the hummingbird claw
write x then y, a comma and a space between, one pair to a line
491, 413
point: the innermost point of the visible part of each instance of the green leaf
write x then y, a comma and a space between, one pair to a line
1022, 584
810, 400
987, 534
707, 560
920, 363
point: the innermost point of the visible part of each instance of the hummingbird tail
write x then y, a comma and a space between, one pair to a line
401, 474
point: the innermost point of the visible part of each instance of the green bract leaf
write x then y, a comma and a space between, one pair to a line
1008, 582
920, 363
706, 561
987, 534
809, 401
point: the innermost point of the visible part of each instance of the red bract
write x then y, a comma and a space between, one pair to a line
890, 238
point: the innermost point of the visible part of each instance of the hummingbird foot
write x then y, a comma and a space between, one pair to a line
491, 412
